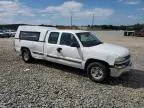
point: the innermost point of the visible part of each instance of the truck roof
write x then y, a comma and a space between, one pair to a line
27, 27
41, 28
70, 31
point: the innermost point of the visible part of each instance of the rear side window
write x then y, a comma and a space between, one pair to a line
53, 37
31, 36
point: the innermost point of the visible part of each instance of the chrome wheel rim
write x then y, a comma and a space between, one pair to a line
97, 72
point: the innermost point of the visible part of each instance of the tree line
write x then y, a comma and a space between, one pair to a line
135, 27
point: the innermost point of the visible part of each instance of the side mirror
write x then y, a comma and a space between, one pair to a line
75, 44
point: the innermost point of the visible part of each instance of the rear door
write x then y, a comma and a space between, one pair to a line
50, 46
38, 46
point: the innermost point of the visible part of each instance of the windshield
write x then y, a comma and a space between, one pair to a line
87, 39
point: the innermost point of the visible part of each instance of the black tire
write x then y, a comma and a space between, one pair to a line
26, 55
95, 69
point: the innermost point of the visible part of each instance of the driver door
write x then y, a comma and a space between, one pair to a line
67, 54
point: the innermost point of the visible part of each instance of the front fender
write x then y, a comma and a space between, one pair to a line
107, 59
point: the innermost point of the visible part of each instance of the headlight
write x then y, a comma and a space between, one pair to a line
122, 62
119, 60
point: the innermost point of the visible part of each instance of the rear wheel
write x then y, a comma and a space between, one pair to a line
26, 55
97, 71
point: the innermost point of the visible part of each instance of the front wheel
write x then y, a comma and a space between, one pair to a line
97, 71
26, 55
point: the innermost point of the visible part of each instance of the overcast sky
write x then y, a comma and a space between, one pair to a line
55, 12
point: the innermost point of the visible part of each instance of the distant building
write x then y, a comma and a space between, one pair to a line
140, 33
129, 33
82, 27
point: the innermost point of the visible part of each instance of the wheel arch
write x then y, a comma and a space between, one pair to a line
22, 48
30, 55
96, 60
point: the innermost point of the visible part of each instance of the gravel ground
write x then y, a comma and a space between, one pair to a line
44, 84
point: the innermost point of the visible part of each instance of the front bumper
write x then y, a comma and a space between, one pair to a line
117, 72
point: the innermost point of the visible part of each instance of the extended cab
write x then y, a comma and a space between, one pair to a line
76, 48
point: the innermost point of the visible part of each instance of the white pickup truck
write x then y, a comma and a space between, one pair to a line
75, 48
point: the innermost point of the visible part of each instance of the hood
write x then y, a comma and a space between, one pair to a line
109, 49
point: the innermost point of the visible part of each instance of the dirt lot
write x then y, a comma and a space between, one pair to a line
44, 84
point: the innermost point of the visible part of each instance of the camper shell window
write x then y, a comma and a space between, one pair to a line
31, 36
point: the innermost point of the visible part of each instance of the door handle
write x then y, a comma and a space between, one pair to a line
59, 49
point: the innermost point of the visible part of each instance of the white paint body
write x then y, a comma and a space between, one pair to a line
71, 56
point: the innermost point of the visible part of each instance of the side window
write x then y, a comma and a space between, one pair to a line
31, 36
67, 39
53, 37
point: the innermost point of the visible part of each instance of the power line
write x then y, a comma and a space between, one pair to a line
71, 16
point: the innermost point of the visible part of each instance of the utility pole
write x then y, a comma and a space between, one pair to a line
71, 17
93, 17
71, 20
